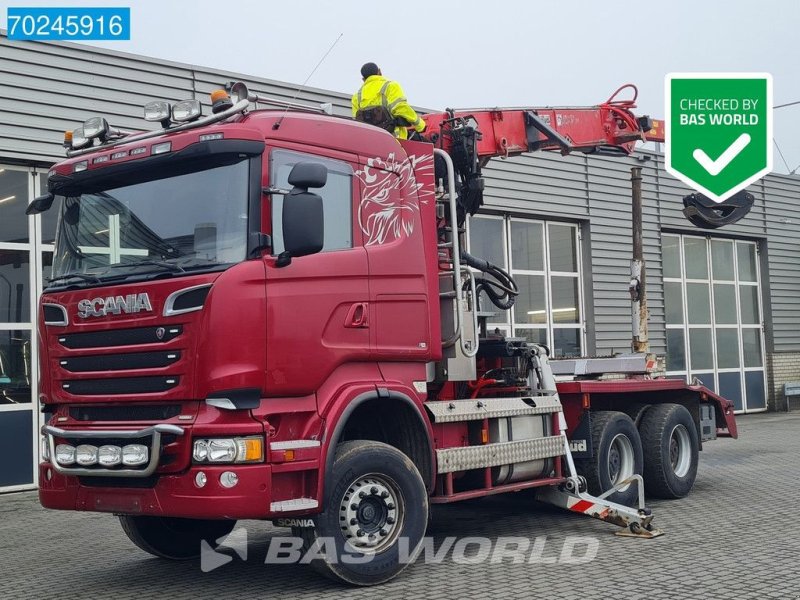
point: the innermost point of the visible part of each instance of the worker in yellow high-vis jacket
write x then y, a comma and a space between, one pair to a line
381, 102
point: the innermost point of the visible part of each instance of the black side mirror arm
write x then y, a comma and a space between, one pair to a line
284, 259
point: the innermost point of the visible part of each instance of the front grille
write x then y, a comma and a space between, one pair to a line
120, 385
120, 337
149, 412
120, 362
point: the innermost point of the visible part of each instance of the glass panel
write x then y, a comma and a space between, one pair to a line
748, 297
673, 302
697, 301
725, 303
563, 248
746, 254
751, 347
527, 246
706, 379
530, 306
722, 260
700, 349
671, 255
676, 350
486, 240
566, 342
730, 387
49, 218
534, 336
47, 266
15, 367
754, 386
695, 251
727, 349
13, 202
337, 202
15, 300
566, 308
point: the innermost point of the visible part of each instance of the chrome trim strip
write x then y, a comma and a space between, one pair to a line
170, 302
294, 444
155, 448
63, 309
293, 505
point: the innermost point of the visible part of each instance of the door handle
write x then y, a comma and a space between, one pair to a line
357, 316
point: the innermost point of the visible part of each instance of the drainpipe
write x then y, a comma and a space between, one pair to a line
639, 342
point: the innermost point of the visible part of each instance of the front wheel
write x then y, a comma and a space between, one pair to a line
374, 518
669, 440
172, 537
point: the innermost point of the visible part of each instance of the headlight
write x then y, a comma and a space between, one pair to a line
86, 455
157, 111
79, 138
187, 110
134, 455
95, 127
109, 456
65, 454
229, 450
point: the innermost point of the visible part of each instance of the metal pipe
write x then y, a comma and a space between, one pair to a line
637, 288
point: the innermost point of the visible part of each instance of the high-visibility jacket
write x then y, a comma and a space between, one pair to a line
379, 91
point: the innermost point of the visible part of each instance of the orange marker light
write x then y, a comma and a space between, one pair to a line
484, 436
220, 101
217, 95
67, 139
288, 454
254, 449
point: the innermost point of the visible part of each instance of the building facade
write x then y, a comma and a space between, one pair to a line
724, 306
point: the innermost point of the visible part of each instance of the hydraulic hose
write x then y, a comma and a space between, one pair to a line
502, 290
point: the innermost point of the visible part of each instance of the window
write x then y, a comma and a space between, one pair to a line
337, 198
543, 258
713, 316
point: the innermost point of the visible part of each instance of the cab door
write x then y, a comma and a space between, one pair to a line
317, 306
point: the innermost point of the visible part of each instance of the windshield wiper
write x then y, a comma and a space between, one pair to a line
152, 263
82, 276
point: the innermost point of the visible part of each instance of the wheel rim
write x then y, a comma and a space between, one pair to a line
620, 459
371, 513
680, 451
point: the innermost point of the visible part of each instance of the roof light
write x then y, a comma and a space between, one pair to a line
120, 154
161, 148
96, 127
100, 159
220, 101
207, 137
158, 110
79, 138
67, 139
139, 150
80, 166
187, 110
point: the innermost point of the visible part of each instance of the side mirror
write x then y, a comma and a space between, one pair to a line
303, 215
40, 204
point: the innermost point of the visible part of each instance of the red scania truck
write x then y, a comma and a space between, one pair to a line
271, 314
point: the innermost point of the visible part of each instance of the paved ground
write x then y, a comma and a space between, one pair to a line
735, 536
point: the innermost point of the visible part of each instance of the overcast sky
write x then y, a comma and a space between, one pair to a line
481, 53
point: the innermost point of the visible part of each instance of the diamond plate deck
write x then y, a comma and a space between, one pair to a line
491, 408
450, 460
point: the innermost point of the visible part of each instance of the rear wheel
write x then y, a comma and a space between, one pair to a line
670, 444
171, 537
617, 455
374, 518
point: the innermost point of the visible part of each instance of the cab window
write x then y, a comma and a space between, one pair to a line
337, 198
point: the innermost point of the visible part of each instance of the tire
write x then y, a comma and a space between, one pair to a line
617, 455
171, 537
394, 506
670, 444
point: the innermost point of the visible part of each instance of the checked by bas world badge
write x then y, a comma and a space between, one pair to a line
718, 130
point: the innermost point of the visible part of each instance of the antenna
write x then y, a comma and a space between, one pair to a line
277, 123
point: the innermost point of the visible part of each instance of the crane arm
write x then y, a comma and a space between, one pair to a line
473, 137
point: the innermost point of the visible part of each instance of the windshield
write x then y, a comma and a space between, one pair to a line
195, 221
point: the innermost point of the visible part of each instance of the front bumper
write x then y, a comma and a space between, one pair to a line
174, 495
